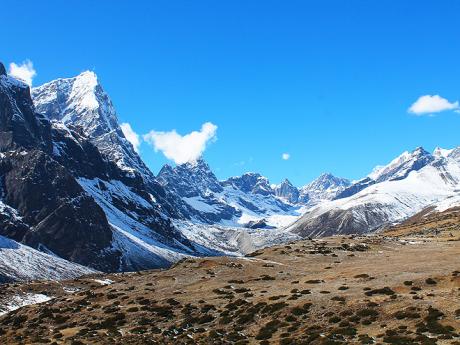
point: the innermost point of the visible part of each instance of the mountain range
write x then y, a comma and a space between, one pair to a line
76, 194
409, 184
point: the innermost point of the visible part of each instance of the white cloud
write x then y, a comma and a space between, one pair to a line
182, 149
432, 104
24, 71
285, 156
132, 136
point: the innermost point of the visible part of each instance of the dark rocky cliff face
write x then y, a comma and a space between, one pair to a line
61, 217
47, 208
19, 125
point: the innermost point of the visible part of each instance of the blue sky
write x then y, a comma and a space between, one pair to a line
329, 82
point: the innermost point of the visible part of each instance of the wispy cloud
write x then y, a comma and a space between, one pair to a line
285, 156
132, 136
24, 71
429, 104
182, 148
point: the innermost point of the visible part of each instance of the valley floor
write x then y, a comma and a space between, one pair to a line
403, 289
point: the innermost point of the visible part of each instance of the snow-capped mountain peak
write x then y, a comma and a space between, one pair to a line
440, 152
287, 191
412, 186
325, 187
402, 165
398, 169
81, 101
77, 100
251, 182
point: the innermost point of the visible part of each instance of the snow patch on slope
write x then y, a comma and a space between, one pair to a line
20, 301
23, 263
139, 244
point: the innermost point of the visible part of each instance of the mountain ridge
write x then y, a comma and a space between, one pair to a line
383, 203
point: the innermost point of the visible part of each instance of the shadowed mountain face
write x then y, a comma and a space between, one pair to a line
49, 207
56, 186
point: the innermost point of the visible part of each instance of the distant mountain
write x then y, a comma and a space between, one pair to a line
397, 169
287, 191
250, 183
238, 201
400, 167
325, 187
197, 186
410, 183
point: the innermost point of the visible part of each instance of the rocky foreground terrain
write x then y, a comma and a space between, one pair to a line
401, 288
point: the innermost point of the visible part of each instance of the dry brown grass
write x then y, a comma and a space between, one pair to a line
375, 290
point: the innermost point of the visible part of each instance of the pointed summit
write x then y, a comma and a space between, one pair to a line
402, 165
82, 102
398, 169
250, 182
189, 179
287, 191
199, 163
286, 182
325, 187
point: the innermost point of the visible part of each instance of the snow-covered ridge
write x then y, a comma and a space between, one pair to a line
402, 165
243, 201
386, 202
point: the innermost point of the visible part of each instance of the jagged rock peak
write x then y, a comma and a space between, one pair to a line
287, 191
198, 164
189, 179
286, 182
325, 187
82, 101
251, 182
